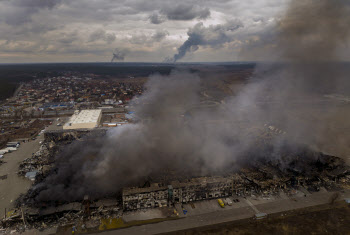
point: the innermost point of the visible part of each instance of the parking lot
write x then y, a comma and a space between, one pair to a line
13, 186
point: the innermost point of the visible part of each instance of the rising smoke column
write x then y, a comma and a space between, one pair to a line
212, 36
118, 55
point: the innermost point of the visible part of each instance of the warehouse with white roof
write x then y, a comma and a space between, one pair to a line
84, 119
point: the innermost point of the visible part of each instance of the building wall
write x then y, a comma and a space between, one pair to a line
81, 126
180, 193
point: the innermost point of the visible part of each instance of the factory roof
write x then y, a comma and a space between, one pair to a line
85, 116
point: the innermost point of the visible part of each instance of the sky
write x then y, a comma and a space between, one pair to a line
134, 30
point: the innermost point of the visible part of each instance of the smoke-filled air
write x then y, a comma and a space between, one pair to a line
174, 135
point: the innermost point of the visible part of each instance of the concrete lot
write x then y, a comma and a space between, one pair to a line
13, 186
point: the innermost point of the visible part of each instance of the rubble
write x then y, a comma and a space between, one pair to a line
37, 164
25, 218
263, 178
295, 168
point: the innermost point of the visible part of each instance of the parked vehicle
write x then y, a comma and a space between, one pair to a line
221, 203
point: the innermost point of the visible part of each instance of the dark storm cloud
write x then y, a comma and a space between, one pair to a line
213, 36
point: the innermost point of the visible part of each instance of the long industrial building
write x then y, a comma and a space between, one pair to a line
84, 119
177, 192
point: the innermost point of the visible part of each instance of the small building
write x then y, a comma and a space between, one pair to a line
85, 119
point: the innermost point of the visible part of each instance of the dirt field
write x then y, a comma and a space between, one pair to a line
325, 219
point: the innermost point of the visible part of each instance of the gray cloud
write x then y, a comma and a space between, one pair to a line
180, 12
156, 18
160, 35
149, 39
21, 11
37, 3
185, 12
101, 34
43, 26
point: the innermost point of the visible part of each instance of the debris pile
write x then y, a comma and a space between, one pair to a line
310, 171
38, 164
86, 213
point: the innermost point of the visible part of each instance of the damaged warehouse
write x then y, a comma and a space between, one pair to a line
261, 179
177, 192
264, 181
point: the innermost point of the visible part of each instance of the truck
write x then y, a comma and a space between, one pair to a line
221, 203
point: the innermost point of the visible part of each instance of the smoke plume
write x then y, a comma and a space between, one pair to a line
292, 90
176, 135
169, 139
118, 55
212, 36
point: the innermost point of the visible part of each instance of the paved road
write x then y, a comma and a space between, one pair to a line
13, 186
236, 213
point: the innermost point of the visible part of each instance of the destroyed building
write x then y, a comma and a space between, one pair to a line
158, 195
265, 179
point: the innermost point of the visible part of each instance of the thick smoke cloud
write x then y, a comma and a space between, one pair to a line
306, 67
167, 140
175, 137
212, 36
